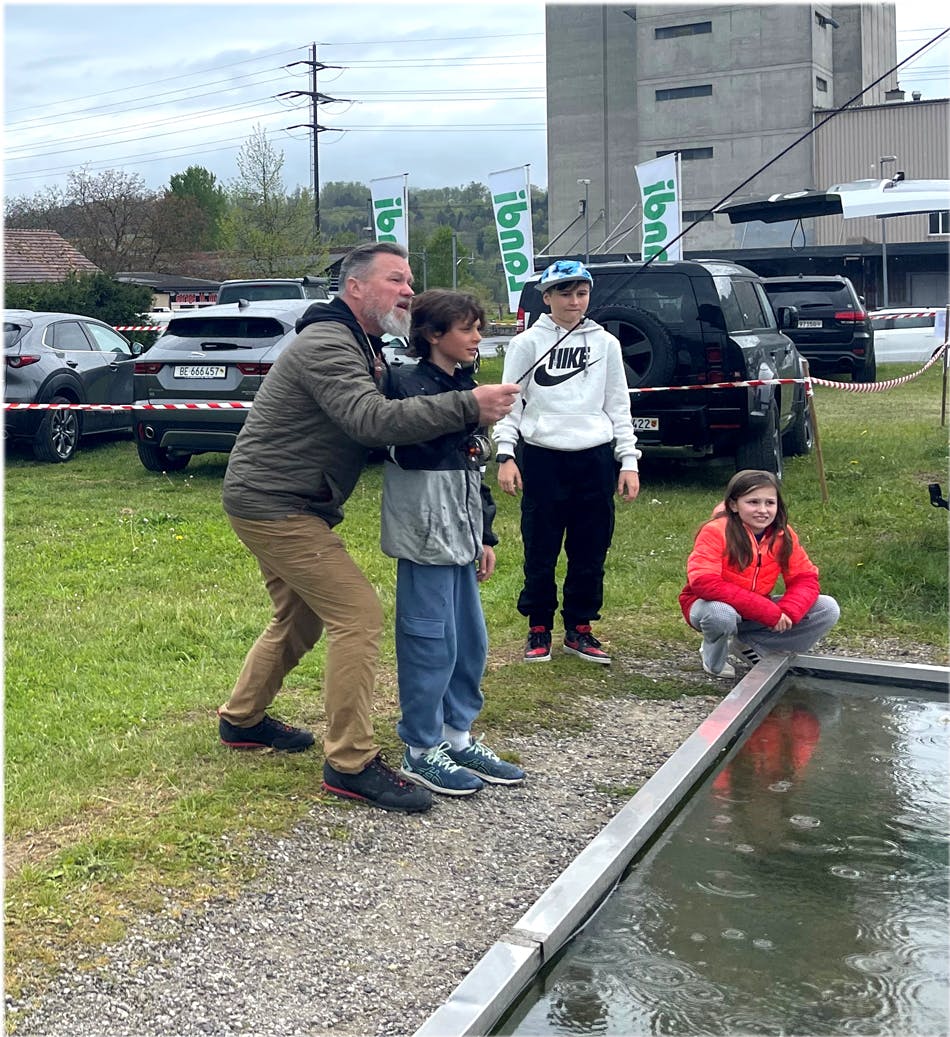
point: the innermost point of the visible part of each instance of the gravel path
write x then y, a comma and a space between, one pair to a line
363, 922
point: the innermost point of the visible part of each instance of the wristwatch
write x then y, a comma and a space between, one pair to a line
502, 458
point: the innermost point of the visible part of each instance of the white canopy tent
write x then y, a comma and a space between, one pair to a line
852, 200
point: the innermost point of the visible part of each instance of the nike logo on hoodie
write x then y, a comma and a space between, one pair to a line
571, 360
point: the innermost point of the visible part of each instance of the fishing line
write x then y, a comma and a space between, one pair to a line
709, 212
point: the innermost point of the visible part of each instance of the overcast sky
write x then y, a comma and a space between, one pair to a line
446, 92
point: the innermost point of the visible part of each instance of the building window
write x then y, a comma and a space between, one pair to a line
687, 154
673, 94
697, 216
940, 222
821, 84
668, 32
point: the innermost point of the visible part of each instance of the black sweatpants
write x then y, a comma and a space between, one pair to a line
567, 498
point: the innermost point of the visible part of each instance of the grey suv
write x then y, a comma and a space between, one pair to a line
216, 354
694, 323
64, 358
834, 332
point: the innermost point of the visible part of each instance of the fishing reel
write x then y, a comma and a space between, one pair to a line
477, 448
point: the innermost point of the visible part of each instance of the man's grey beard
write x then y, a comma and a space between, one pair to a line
396, 322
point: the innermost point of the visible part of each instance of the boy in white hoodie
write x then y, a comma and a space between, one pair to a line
575, 429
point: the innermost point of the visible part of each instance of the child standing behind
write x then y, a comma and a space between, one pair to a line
737, 558
437, 521
579, 447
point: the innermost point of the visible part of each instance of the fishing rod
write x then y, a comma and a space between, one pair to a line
760, 170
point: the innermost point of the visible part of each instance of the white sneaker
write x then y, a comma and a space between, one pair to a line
727, 672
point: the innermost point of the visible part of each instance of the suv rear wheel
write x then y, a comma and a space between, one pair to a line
866, 372
649, 357
800, 436
58, 435
765, 451
158, 459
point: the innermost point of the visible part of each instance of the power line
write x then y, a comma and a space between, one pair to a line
156, 82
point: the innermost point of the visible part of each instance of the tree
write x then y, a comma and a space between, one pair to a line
271, 232
344, 212
112, 213
43, 210
209, 203
439, 249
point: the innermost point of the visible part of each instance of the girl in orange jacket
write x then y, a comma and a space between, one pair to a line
736, 561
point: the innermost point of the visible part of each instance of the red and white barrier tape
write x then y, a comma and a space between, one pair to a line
810, 381
222, 405
752, 382
902, 314
863, 387
137, 327
888, 383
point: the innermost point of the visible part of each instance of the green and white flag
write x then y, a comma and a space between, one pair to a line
391, 208
660, 198
511, 199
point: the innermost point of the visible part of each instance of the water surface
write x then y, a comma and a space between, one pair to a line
802, 890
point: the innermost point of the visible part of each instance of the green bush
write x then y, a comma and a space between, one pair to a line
92, 295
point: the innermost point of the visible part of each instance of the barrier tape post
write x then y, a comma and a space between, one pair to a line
813, 413
946, 364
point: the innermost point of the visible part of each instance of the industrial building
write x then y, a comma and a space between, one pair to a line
734, 88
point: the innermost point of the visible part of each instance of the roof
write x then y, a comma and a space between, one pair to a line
851, 200
289, 309
41, 255
166, 282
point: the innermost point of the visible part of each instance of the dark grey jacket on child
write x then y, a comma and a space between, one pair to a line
437, 509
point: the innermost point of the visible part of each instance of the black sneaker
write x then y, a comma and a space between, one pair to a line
581, 642
268, 734
537, 648
379, 785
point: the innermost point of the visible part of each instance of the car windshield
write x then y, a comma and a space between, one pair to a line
810, 295
225, 327
270, 292
258, 292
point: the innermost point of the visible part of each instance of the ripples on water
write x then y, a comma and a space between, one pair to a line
820, 850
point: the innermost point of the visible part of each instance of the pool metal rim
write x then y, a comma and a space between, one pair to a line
510, 964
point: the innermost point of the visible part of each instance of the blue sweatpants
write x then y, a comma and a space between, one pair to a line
441, 649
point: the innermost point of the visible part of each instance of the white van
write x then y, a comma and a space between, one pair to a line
904, 334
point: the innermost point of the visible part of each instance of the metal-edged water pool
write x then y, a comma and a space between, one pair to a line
785, 872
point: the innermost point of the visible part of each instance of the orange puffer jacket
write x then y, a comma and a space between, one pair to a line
711, 577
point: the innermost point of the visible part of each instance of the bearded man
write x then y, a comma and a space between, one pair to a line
297, 459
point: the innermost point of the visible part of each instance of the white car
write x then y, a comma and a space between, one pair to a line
904, 335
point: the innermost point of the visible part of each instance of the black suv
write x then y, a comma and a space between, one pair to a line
834, 332
694, 323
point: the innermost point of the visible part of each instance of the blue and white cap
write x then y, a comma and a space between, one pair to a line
561, 271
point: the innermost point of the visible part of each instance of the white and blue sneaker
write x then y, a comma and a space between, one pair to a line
437, 771
479, 759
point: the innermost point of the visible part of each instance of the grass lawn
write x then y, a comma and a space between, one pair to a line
130, 605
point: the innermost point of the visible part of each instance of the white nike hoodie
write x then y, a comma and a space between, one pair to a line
573, 397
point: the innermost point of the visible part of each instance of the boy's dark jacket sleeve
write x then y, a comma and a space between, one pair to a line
444, 452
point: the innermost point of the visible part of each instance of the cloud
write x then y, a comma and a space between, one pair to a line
444, 91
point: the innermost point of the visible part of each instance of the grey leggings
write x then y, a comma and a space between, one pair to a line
718, 622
